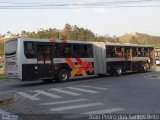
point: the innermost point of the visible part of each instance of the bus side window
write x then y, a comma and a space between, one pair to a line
67, 50
119, 52
90, 51
127, 53
59, 50
47, 53
40, 56
140, 52
110, 51
63, 50
146, 52
134, 52
29, 50
87, 51
76, 50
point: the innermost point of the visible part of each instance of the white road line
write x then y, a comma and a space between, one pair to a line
104, 111
93, 87
75, 106
28, 96
83, 90
65, 91
36, 95
62, 102
47, 94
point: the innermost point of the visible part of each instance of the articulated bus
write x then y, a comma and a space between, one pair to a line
33, 59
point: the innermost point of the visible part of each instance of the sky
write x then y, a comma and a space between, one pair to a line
104, 19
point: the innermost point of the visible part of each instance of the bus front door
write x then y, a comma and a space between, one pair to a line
44, 61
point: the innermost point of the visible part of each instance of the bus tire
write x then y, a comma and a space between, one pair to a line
63, 76
118, 71
145, 68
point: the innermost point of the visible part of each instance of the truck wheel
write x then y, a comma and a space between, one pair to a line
63, 76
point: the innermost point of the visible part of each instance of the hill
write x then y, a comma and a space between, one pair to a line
140, 38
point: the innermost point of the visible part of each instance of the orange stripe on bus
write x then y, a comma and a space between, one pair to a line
82, 68
70, 63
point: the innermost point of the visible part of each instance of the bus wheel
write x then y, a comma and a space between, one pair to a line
118, 71
145, 68
63, 76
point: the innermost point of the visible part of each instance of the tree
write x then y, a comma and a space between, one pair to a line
66, 33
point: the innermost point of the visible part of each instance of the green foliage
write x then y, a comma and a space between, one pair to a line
1, 49
68, 32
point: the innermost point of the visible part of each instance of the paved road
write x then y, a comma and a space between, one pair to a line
130, 93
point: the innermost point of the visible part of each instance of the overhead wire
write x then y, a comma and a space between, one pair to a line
75, 5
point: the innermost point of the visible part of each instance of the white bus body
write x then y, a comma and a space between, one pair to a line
32, 59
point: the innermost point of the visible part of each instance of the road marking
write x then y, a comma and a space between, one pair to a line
66, 92
67, 101
104, 111
28, 96
75, 106
60, 90
93, 87
47, 94
83, 90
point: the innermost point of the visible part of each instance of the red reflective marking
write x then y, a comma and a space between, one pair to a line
69, 61
52, 40
63, 41
88, 66
79, 60
91, 69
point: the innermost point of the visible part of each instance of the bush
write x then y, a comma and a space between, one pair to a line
1, 65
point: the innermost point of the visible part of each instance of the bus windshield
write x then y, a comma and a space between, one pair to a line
11, 47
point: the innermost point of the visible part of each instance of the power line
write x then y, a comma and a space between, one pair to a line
64, 5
